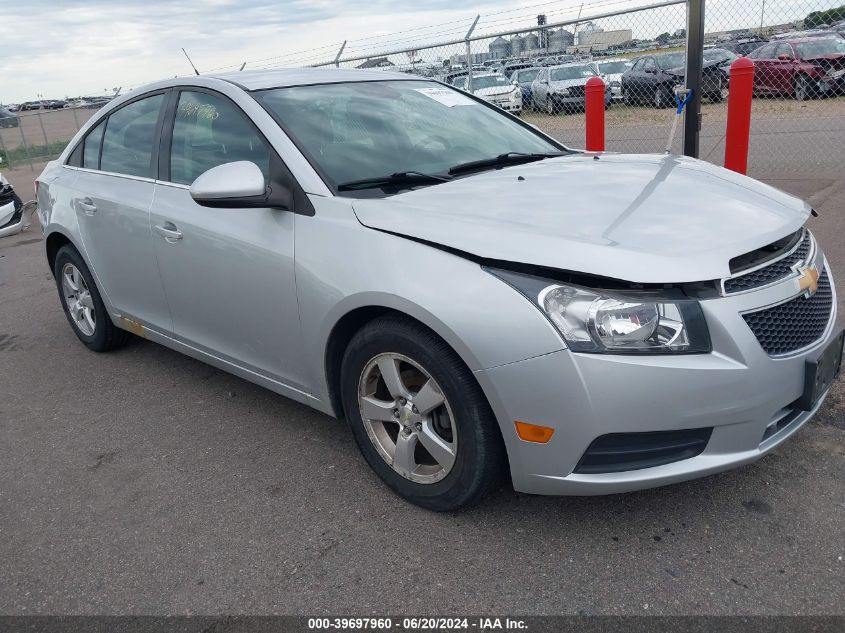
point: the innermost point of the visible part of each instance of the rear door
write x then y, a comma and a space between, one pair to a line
112, 196
228, 274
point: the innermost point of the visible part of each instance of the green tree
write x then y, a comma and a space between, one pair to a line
824, 18
663, 38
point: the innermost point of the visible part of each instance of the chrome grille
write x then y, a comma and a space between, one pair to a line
795, 324
773, 272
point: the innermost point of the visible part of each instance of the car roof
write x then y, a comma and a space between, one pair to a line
476, 76
285, 77
804, 40
569, 65
610, 59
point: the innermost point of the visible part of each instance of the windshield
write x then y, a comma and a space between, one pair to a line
718, 54
527, 76
572, 72
353, 131
820, 47
670, 60
613, 68
489, 81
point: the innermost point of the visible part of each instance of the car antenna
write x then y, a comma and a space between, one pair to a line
242, 67
190, 62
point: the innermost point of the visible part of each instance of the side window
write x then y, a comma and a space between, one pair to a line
767, 52
129, 140
210, 131
783, 49
649, 65
91, 147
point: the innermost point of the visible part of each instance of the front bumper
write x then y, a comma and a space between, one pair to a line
11, 217
508, 105
746, 396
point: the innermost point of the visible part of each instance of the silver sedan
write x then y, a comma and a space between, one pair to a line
474, 298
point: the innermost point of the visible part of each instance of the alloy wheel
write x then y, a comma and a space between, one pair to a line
407, 418
78, 299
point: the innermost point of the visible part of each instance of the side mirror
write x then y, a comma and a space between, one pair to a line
784, 57
237, 185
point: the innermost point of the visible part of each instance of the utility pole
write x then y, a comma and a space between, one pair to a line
695, 63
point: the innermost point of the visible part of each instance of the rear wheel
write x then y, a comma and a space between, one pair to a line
418, 415
82, 303
550, 105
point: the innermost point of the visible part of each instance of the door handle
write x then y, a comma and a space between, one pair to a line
87, 205
169, 231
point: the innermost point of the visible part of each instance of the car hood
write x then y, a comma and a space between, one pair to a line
494, 91
569, 83
680, 70
640, 218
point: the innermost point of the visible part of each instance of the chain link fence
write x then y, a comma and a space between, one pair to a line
539, 72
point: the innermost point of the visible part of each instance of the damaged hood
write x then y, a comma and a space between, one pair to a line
640, 218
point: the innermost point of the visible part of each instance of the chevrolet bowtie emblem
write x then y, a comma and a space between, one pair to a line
808, 282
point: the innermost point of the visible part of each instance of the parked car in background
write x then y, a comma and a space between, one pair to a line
743, 46
802, 68
31, 105
11, 210
78, 103
563, 88
468, 293
508, 69
496, 89
55, 104
612, 69
8, 119
653, 78
524, 78
12, 107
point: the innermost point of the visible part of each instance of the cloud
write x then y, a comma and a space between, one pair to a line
59, 48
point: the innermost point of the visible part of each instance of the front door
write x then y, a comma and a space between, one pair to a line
228, 274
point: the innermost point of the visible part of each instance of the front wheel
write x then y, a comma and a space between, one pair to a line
550, 105
803, 88
661, 97
419, 416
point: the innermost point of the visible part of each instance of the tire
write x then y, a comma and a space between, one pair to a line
715, 97
463, 421
661, 98
803, 88
550, 106
627, 99
103, 335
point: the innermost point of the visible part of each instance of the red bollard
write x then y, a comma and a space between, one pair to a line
594, 109
740, 92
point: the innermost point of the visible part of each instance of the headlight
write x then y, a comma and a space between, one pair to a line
564, 91
615, 322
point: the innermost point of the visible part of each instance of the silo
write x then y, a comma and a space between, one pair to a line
530, 43
559, 40
500, 48
517, 45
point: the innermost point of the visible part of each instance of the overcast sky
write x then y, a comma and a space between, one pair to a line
59, 48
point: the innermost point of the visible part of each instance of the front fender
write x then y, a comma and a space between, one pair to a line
343, 266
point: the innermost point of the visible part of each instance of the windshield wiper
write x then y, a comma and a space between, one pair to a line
399, 178
509, 158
